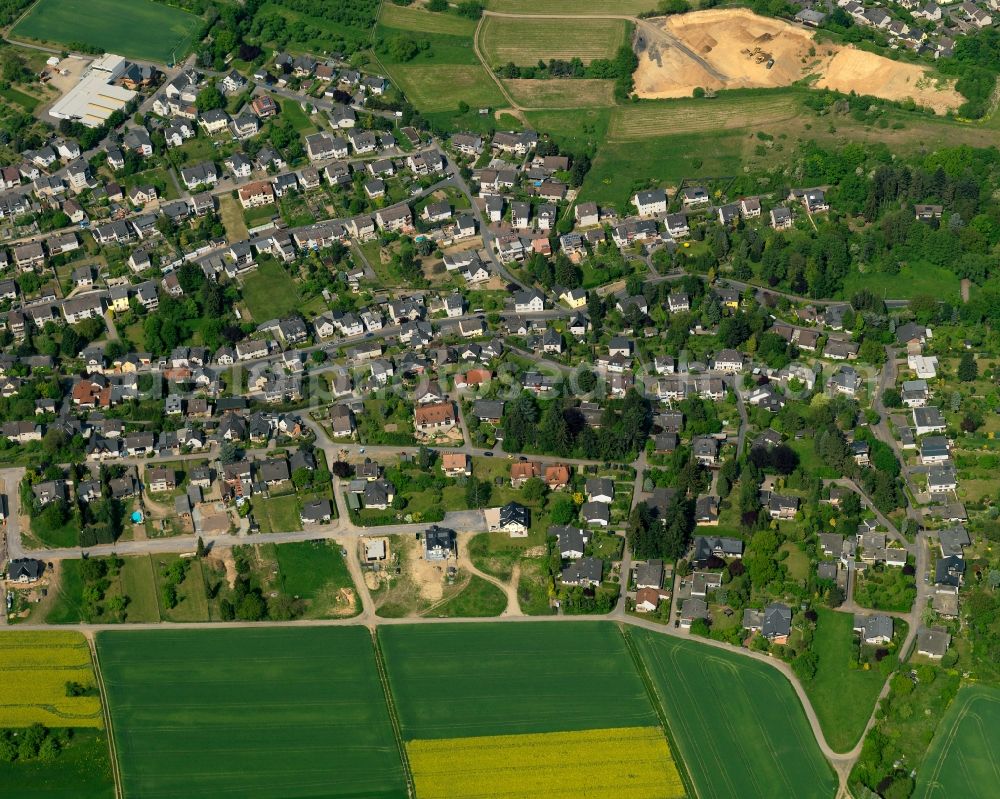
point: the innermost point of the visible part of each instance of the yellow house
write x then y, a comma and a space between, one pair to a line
120, 299
574, 298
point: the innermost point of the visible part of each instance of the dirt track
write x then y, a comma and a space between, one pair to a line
720, 48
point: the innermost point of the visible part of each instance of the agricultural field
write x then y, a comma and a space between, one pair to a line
512, 678
586, 763
737, 724
515, 720
133, 28
962, 758
732, 111
412, 18
574, 7
526, 41
441, 87
561, 93
81, 771
34, 670
185, 702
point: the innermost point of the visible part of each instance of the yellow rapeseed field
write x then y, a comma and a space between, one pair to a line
34, 670
631, 762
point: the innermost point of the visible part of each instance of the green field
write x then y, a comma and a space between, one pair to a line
270, 293
562, 93
582, 7
316, 572
526, 41
441, 87
81, 771
132, 28
962, 760
911, 281
736, 724
412, 18
842, 722
479, 598
250, 713
500, 679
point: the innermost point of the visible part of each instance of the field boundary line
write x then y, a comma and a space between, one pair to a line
479, 54
390, 703
22, 15
106, 707
654, 700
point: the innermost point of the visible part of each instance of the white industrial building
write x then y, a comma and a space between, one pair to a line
95, 97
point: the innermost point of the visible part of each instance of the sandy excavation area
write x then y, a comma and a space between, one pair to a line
731, 48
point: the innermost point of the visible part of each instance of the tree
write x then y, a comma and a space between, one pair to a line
563, 510
342, 469
209, 98
200, 551
891, 398
229, 452
477, 493
533, 489
403, 48
251, 607
967, 369
804, 666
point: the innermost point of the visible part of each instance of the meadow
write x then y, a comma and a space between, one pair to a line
237, 712
81, 771
962, 758
842, 722
731, 110
562, 93
412, 18
585, 764
526, 41
502, 679
270, 293
736, 724
575, 7
34, 670
316, 572
133, 28
441, 87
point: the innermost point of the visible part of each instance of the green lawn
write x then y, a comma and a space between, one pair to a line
842, 721
269, 292
251, 713
736, 724
315, 572
619, 171
81, 771
133, 28
277, 514
192, 602
912, 280
479, 598
501, 679
962, 759
294, 113
138, 585
259, 216
65, 536
441, 87
26, 101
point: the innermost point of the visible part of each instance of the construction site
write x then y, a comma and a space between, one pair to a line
737, 49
